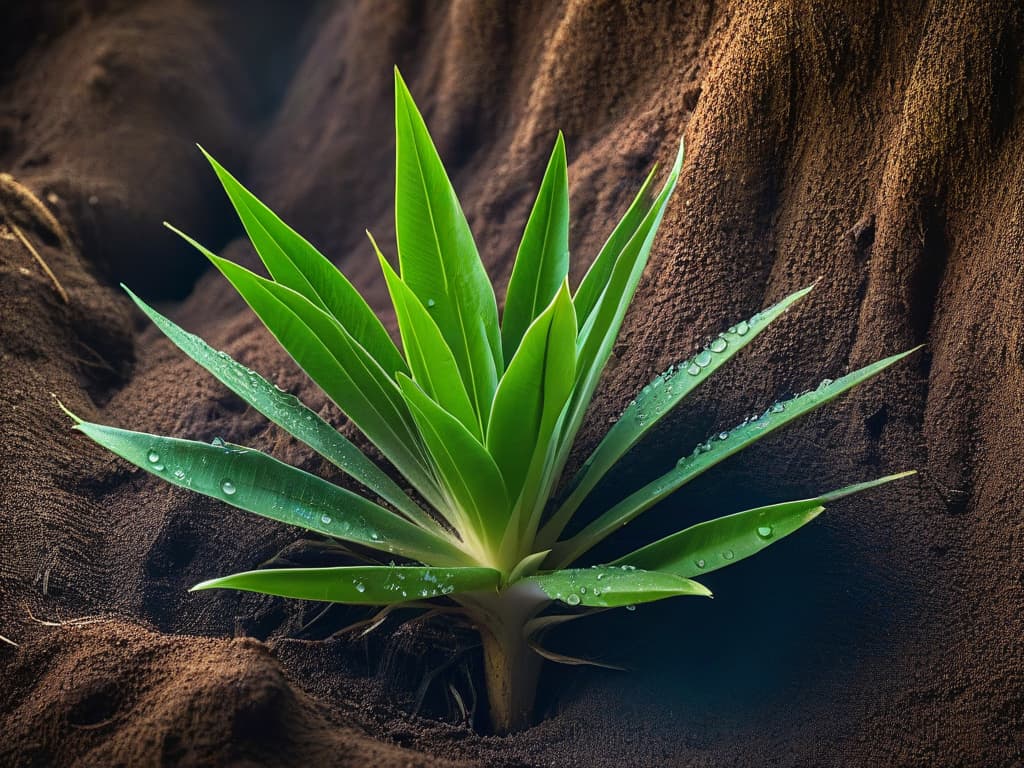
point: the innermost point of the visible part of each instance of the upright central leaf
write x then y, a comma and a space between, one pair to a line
438, 258
543, 258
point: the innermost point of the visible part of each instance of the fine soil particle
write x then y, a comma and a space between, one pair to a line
875, 146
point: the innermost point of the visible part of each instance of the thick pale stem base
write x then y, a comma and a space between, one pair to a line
511, 667
512, 671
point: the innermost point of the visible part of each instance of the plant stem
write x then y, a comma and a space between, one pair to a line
511, 667
512, 670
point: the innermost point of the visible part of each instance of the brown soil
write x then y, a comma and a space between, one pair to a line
876, 145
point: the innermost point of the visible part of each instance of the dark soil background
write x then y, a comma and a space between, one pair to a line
876, 145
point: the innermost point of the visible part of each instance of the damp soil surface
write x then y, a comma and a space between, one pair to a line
872, 146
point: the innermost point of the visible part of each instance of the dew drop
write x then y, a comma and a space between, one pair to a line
728, 555
701, 563
217, 441
573, 599
600, 576
719, 345
158, 467
778, 408
824, 383
583, 590
360, 587
153, 456
693, 370
703, 358
179, 473
723, 435
228, 487
431, 303
765, 531
742, 328
374, 535
325, 519
630, 607
597, 592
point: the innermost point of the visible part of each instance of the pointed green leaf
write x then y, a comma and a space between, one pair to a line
533, 391
433, 365
438, 257
597, 335
660, 396
542, 261
612, 587
596, 278
338, 364
290, 414
360, 584
714, 544
294, 262
710, 453
479, 505
261, 484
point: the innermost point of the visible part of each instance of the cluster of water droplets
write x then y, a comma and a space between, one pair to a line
413, 583
666, 388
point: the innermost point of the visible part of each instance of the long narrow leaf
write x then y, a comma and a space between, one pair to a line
612, 587
596, 278
598, 333
294, 262
707, 455
438, 257
338, 364
433, 365
359, 585
542, 261
714, 544
261, 484
660, 396
464, 466
290, 414
533, 391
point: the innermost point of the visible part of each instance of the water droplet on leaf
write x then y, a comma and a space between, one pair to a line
703, 358
153, 457
765, 531
573, 599
228, 487
719, 345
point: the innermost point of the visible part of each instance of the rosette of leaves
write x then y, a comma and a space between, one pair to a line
477, 418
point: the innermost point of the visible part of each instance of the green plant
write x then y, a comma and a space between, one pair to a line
479, 419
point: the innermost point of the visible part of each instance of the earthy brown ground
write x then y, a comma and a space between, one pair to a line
875, 144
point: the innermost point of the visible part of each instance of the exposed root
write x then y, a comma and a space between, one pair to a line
81, 621
13, 190
36, 255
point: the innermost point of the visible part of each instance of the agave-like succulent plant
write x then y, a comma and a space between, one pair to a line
477, 417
